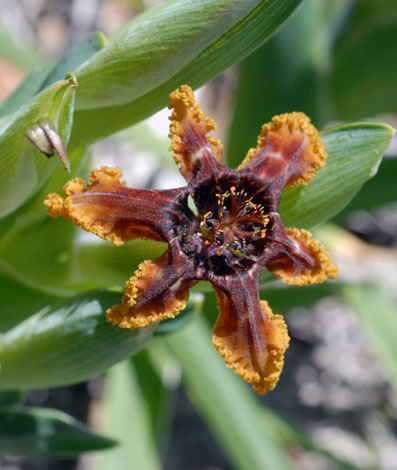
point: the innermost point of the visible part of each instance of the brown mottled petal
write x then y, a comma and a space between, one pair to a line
157, 290
251, 339
189, 133
289, 147
114, 212
302, 260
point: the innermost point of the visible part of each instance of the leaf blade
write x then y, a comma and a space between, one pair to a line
24, 169
245, 36
129, 424
67, 343
354, 153
46, 432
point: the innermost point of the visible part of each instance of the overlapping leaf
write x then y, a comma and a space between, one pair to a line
354, 155
71, 341
127, 418
46, 432
23, 169
232, 29
364, 67
153, 47
66, 343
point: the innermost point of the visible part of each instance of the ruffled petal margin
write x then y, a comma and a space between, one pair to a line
289, 148
110, 210
155, 292
251, 338
304, 261
189, 131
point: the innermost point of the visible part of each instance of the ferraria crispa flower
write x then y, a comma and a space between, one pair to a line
236, 232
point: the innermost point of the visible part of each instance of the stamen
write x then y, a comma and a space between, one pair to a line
219, 237
209, 220
249, 207
236, 245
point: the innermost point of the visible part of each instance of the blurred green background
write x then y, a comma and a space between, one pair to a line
174, 405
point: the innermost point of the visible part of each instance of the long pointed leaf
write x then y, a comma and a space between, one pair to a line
354, 154
67, 343
40, 431
250, 25
127, 418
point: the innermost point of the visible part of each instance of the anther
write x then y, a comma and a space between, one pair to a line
249, 207
209, 220
236, 245
219, 237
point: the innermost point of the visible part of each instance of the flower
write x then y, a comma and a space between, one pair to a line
236, 232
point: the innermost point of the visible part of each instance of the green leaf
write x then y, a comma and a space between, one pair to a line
127, 418
76, 56
37, 251
23, 168
379, 190
224, 43
159, 379
66, 343
193, 308
102, 264
354, 154
18, 301
224, 401
46, 432
364, 70
145, 53
282, 297
377, 311
46, 75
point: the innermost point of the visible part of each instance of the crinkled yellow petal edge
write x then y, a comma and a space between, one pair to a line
58, 206
275, 360
125, 317
325, 267
314, 147
184, 106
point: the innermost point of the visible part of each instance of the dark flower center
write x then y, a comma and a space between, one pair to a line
231, 229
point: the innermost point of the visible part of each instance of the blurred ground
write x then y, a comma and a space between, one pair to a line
332, 385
